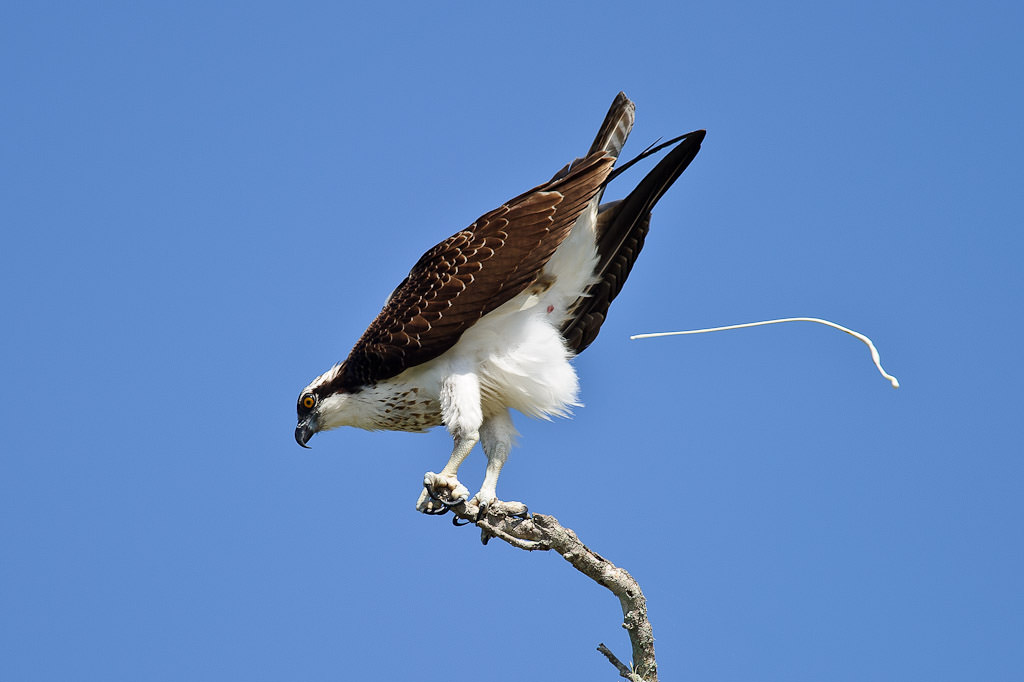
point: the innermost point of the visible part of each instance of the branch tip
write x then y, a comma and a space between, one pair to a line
507, 521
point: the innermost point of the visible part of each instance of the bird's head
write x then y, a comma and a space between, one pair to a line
321, 406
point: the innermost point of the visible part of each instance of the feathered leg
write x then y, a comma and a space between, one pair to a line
460, 410
496, 436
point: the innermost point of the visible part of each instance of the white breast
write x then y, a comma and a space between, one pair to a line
516, 351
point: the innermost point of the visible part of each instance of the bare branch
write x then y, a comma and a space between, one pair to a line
509, 521
624, 671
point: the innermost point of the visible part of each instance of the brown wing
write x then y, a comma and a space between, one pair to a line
470, 274
622, 227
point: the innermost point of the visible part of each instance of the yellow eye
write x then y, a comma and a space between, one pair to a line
308, 401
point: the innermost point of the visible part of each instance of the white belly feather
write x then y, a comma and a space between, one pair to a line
516, 351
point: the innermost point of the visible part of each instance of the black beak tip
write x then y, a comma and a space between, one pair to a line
302, 436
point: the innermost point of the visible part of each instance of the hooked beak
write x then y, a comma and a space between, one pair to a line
305, 430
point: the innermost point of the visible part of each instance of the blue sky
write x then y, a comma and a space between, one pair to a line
204, 204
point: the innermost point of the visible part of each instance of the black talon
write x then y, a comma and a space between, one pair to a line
445, 503
456, 503
446, 506
430, 493
456, 519
436, 512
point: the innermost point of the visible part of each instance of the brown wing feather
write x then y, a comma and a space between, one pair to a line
622, 227
470, 274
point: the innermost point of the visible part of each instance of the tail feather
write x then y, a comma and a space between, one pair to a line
622, 227
616, 126
613, 132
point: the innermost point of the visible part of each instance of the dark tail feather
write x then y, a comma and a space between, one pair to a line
615, 127
612, 134
622, 227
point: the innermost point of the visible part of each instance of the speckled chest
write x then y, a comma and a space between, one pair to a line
406, 410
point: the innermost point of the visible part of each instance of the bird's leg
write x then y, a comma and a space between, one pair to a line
460, 410
443, 489
496, 434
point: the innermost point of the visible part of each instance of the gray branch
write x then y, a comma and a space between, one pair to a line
508, 521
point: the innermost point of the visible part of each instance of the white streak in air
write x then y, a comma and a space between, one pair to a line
866, 340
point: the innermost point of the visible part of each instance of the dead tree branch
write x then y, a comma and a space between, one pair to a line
510, 522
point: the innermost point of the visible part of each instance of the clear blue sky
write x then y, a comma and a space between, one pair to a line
204, 204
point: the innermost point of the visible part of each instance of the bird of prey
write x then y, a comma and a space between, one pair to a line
488, 320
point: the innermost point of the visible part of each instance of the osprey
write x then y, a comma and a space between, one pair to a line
489, 319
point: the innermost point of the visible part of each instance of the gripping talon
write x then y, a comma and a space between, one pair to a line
447, 504
430, 492
444, 503
437, 512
